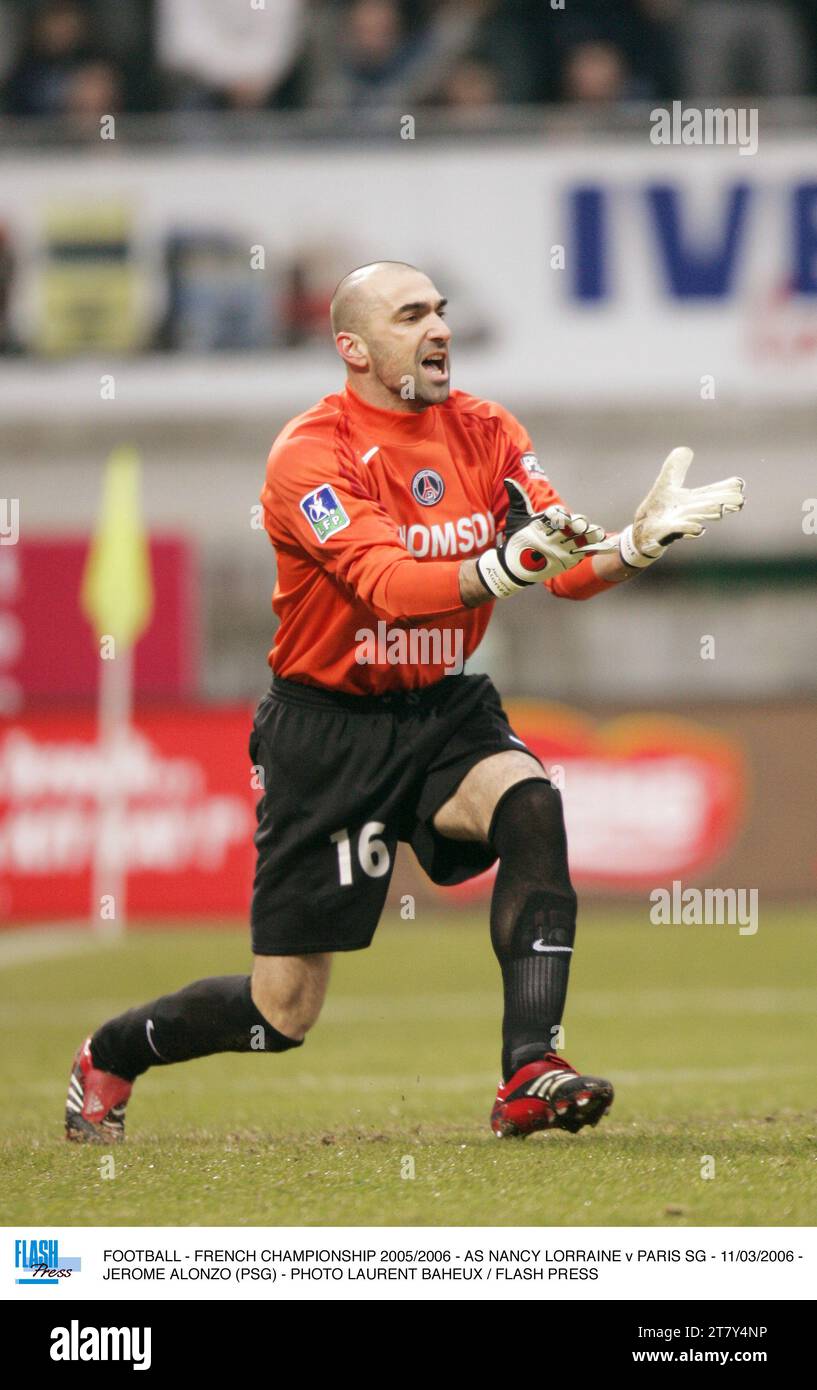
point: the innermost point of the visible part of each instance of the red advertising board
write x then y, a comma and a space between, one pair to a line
186, 837
47, 647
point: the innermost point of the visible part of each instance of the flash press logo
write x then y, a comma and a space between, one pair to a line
75, 1343
39, 1262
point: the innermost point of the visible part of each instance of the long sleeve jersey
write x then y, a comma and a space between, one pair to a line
371, 513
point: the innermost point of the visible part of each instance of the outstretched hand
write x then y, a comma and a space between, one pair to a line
672, 512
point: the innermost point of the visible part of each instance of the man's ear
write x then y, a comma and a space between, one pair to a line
352, 349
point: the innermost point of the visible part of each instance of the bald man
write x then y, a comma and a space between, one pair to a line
401, 512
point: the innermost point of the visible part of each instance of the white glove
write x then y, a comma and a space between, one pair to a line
671, 511
534, 545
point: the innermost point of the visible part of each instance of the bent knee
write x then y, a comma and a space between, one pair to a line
532, 805
289, 991
528, 833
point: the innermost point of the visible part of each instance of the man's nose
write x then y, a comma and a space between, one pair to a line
440, 329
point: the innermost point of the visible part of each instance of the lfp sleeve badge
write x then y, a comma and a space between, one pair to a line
324, 511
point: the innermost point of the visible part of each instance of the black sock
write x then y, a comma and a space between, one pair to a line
533, 918
215, 1015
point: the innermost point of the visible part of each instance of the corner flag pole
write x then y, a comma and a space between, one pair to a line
117, 598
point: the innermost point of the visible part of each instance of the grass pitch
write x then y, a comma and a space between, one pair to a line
708, 1037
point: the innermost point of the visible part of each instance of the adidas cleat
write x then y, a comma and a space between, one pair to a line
95, 1104
549, 1094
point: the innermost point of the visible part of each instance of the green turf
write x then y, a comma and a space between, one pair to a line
708, 1036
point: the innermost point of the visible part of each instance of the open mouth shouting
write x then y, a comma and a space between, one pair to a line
435, 366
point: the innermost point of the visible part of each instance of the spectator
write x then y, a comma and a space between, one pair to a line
472, 86
389, 53
595, 73
58, 45
531, 44
629, 50
218, 53
94, 89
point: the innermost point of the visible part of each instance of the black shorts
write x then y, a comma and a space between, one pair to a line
345, 778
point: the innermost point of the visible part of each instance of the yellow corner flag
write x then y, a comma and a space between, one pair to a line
117, 590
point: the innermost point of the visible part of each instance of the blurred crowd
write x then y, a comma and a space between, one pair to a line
88, 57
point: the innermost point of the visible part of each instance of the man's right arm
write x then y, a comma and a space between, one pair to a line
324, 508
472, 590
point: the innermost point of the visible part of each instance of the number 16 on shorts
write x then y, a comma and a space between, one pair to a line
372, 853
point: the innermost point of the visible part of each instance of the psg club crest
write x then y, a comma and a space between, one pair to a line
427, 487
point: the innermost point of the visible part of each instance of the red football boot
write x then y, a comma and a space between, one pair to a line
95, 1105
549, 1094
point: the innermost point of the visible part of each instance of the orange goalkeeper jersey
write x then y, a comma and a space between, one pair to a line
371, 513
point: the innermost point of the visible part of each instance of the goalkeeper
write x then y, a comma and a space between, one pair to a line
399, 502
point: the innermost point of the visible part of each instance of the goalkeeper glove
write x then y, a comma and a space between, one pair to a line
534, 546
671, 511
